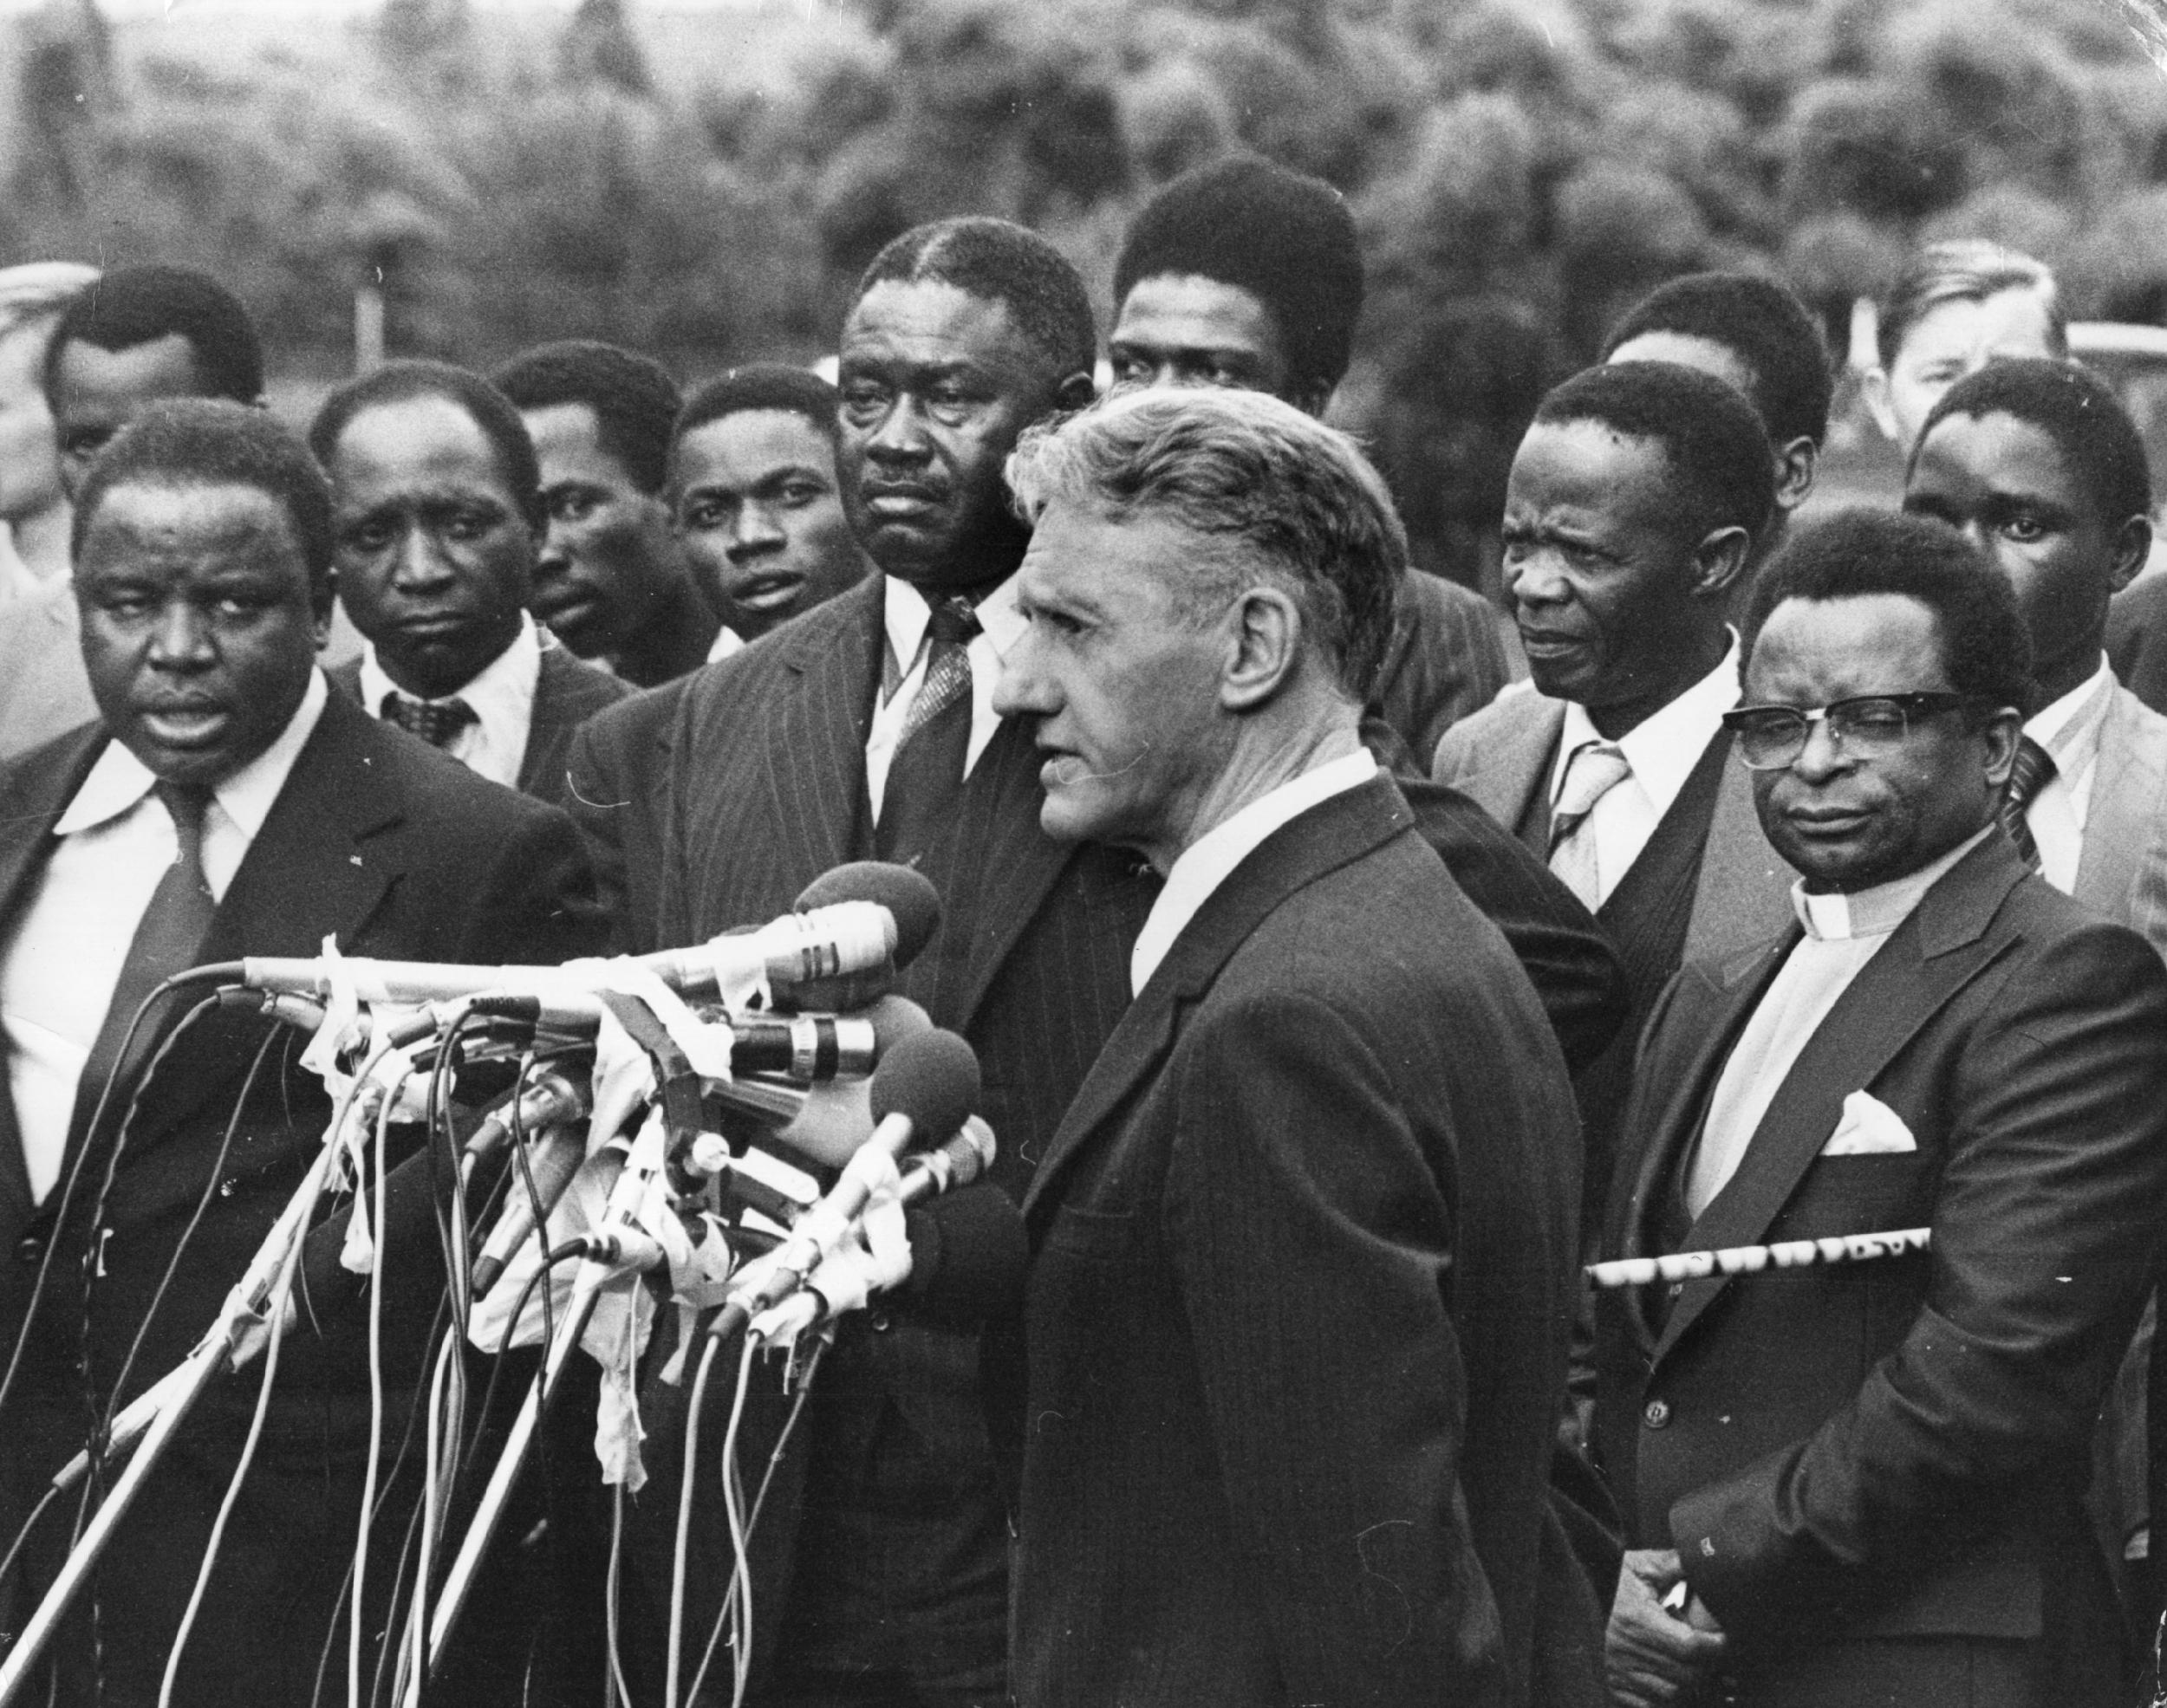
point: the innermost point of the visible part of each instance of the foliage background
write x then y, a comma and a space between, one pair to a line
706, 186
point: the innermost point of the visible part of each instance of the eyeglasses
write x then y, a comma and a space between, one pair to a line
1870, 726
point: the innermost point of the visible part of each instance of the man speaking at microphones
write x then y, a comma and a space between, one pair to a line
224, 804
1863, 1483
1303, 1246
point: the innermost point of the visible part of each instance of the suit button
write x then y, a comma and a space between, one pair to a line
1657, 1413
29, 1248
878, 1321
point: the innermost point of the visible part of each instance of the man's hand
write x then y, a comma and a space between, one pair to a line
1651, 1654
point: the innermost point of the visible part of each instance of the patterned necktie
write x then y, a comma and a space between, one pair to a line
926, 772
167, 941
1596, 768
437, 722
2033, 771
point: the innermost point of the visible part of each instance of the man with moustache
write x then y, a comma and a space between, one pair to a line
759, 514
1243, 273
145, 334
866, 729
437, 507
2038, 465
1632, 507
225, 804
1302, 1247
1863, 1481
610, 580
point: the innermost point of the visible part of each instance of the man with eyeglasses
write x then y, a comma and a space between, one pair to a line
1862, 1482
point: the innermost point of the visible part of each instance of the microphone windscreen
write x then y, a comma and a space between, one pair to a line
894, 1018
932, 1079
968, 1255
909, 895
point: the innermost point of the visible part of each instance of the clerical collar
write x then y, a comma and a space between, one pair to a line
1876, 912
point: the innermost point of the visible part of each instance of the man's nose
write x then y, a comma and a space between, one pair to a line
755, 531
421, 564
181, 640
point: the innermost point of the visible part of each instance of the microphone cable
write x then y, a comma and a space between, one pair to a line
359, 1587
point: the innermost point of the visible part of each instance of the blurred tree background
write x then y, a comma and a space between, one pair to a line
706, 186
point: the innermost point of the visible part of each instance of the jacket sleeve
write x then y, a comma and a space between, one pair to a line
1310, 1236
2044, 1221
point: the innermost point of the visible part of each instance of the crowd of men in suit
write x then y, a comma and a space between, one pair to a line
1337, 1002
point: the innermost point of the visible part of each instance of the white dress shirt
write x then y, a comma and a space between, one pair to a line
59, 968
727, 642
1211, 859
1842, 933
2069, 731
1662, 749
1000, 626
502, 695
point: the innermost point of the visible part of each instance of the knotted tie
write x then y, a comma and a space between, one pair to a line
1596, 768
437, 722
926, 772
2033, 771
167, 941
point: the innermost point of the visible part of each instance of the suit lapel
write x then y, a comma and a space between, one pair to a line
1742, 895
2123, 870
1342, 828
1514, 769
1933, 954
38, 794
816, 746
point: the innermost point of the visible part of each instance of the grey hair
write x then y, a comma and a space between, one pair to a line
38, 290
1297, 499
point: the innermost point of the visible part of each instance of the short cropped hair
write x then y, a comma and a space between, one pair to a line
757, 385
1247, 468
132, 306
1712, 437
1856, 554
2073, 407
1760, 321
487, 407
39, 290
1965, 270
634, 401
215, 442
1286, 239
999, 262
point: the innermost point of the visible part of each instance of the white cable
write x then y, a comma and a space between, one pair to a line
619, 1693
687, 1476
375, 1405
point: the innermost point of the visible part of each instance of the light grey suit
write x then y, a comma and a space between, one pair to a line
43, 691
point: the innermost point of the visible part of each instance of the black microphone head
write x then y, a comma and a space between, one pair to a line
932, 1079
972, 1266
909, 895
894, 1018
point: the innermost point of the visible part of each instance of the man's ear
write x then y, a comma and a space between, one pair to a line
1873, 388
1076, 392
1796, 465
2133, 546
323, 600
1264, 644
1718, 561
2003, 731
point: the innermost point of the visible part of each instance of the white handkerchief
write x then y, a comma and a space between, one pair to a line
1868, 1127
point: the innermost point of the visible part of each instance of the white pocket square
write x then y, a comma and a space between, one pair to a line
1868, 1127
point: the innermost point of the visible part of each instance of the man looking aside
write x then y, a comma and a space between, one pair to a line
1868, 1478
610, 580
436, 509
1320, 1154
143, 334
226, 804
1245, 274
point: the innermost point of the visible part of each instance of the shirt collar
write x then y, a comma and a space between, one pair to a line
1663, 747
1211, 859
2069, 728
502, 690
1879, 911
118, 781
1001, 623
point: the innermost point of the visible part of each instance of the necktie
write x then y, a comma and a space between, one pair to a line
2033, 771
926, 772
437, 722
1596, 768
167, 941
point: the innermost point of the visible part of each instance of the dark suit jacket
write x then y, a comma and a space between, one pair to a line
566, 695
1897, 1449
1303, 1264
619, 768
400, 853
1444, 662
